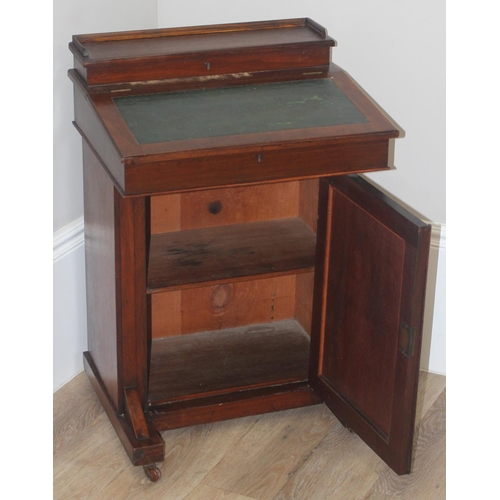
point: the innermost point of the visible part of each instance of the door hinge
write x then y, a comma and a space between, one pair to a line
407, 339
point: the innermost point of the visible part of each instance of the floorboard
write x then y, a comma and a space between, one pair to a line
294, 454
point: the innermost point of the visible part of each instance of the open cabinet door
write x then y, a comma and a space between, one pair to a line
368, 310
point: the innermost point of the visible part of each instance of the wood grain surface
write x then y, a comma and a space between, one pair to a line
236, 251
180, 52
367, 327
223, 306
220, 207
248, 356
302, 454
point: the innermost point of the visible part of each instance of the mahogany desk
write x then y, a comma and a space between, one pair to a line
236, 263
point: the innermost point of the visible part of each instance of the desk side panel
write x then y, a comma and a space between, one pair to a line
96, 136
100, 272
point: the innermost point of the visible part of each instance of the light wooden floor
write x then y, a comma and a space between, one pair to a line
302, 454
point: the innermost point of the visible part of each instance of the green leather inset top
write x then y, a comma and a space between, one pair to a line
243, 109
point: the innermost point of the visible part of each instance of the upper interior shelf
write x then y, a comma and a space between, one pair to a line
230, 253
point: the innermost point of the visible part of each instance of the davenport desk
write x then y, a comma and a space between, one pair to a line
236, 262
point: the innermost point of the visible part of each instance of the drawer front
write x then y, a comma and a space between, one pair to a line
255, 167
197, 65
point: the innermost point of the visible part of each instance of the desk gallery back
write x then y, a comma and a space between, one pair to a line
236, 262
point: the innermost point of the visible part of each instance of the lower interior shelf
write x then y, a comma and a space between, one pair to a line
217, 362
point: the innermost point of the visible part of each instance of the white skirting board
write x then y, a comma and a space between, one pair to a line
70, 323
434, 336
70, 317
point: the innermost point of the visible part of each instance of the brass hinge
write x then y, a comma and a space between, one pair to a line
407, 339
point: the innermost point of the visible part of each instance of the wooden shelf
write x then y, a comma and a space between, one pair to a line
222, 361
226, 253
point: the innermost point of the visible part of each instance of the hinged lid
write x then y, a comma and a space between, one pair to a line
201, 51
196, 108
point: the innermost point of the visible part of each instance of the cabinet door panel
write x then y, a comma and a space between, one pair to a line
369, 291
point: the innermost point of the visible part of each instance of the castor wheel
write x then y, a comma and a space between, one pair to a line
152, 472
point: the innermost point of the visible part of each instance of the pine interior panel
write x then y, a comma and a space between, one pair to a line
308, 202
228, 305
225, 253
308, 212
227, 360
165, 213
220, 207
303, 300
166, 317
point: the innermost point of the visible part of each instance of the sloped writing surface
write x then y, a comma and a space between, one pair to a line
237, 110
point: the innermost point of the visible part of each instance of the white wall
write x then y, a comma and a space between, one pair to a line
437, 351
395, 50
72, 17
70, 319
434, 329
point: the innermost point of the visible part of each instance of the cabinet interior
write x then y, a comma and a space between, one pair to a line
230, 279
